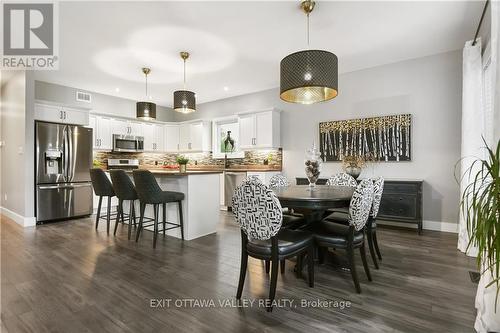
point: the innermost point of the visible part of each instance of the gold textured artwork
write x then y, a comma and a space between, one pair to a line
386, 138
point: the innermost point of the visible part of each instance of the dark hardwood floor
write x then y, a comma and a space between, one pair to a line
66, 277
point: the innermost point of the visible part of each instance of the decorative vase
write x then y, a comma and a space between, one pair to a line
182, 168
353, 170
313, 166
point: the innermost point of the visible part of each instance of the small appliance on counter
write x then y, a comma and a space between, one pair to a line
124, 164
63, 156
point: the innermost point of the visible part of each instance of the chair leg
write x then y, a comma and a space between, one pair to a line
268, 266
375, 242
108, 217
164, 209
141, 217
369, 235
321, 255
298, 266
119, 213
282, 266
98, 213
133, 213
181, 219
156, 208
130, 217
274, 280
352, 267
310, 265
243, 272
365, 262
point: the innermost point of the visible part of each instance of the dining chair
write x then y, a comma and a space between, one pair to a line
291, 220
258, 212
341, 216
350, 236
125, 191
102, 188
150, 193
342, 179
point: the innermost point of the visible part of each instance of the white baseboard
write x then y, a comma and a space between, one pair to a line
427, 225
19, 219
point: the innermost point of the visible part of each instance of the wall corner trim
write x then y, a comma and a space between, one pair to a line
23, 221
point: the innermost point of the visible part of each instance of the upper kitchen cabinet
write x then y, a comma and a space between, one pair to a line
260, 129
102, 137
154, 137
195, 136
125, 127
172, 138
61, 114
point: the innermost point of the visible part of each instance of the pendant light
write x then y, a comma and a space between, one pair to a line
184, 100
309, 76
146, 110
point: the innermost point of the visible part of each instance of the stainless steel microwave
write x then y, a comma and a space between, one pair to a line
128, 143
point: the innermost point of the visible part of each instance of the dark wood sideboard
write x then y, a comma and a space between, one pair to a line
401, 200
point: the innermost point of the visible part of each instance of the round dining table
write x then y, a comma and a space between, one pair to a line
313, 203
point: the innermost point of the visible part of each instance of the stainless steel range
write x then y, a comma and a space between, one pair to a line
63, 159
124, 164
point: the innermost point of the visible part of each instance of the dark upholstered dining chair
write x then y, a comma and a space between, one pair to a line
348, 236
150, 193
124, 190
258, 212
102, 188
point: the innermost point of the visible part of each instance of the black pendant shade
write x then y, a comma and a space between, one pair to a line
309, 76
146, 110
184, 101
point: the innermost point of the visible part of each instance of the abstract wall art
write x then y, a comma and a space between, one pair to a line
386, 138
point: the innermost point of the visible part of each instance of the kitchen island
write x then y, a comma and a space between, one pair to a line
201, 206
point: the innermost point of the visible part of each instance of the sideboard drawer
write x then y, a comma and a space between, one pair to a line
398, 206
400, 187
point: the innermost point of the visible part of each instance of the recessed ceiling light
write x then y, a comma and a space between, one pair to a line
150, 97
226, 88
117, 89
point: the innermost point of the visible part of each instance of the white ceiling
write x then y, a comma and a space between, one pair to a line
239, 45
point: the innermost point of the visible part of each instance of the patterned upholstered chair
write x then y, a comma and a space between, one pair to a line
371, 226
348, 236
341, 216
258, 212
342, 179
278, 181
102, 188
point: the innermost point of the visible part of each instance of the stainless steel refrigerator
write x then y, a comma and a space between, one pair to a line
63, 158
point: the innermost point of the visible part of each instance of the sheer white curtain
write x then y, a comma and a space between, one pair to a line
472, 124
487, 320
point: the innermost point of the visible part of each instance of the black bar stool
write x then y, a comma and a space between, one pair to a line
124, 190
102, 188
150, 193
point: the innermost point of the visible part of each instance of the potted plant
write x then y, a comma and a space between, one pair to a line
352, 165
480, 206
182, 161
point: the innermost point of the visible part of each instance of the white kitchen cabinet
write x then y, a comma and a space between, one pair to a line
61, 114
172, 138
154, 137
101, 132
195, 136
260, 129
136, 128
125, 127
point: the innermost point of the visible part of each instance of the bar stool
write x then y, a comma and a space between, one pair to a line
102, 188
125, 190
150, 193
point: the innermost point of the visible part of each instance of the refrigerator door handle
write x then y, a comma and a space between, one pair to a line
65, 153
53, 187
70, 154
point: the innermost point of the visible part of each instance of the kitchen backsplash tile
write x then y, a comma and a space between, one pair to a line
255, 157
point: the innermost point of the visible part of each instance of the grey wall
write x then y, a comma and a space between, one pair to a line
17, 194
429, 88
100, 103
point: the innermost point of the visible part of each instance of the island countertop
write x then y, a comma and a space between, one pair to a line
167, 172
